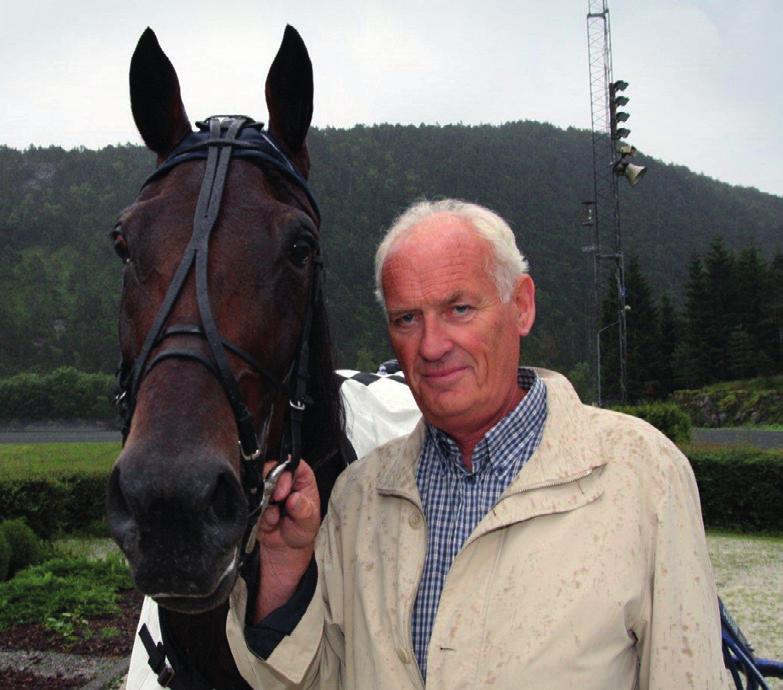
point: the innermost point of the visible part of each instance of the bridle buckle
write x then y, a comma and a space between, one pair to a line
255, 455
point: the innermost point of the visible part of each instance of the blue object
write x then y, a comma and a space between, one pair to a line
747, 670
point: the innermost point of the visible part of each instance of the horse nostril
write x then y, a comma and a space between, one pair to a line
226, 499
121, 520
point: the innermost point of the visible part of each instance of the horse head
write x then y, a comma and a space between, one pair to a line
220, 301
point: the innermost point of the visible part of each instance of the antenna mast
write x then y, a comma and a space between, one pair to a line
609, 164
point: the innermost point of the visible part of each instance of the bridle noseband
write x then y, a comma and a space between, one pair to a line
218, 140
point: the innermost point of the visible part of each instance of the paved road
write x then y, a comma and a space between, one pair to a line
58, 435
728, 437
739, 437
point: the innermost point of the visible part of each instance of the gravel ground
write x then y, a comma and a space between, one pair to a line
749, 576
53, 664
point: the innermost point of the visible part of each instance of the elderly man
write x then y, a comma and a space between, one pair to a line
516, 539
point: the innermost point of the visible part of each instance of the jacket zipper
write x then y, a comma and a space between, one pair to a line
557, 482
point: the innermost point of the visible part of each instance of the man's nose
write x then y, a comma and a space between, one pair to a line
435, 339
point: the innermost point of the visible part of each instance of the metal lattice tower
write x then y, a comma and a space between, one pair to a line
604, 208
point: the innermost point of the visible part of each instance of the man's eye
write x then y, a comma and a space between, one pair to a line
404, 320
461, 309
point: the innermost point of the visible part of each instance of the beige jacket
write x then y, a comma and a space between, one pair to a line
590, 572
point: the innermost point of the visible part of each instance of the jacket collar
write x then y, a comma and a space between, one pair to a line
568, 449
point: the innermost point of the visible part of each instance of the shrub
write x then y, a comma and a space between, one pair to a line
64, 393
664, 416
740, 488
26, 547
5, 556
65, 503
86, 506
715, 407
41, 502
61, 593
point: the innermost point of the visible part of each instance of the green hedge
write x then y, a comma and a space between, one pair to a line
664, 416
63, 504
64, 393
741, 488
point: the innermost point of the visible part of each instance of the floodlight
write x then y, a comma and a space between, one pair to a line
632, 173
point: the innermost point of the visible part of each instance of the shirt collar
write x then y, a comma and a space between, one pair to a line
499, 443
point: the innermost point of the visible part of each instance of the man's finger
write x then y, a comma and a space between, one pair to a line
303, 477
283, 488
299, 506
270, 518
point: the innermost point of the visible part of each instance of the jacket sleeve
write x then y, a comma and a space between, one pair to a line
679, 638
311, 656
264, 636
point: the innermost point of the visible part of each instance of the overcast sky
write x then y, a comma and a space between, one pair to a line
705, 84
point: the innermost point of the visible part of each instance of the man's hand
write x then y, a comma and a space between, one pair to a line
287, 540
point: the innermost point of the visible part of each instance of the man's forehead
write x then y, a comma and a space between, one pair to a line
437, 268
444, 235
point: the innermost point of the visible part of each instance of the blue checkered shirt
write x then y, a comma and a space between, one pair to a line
455, 500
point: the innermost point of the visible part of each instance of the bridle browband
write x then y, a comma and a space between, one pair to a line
218, 140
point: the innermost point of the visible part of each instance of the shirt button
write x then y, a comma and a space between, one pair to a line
403, 655
414, 520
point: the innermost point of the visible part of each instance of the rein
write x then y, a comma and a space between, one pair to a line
218, 140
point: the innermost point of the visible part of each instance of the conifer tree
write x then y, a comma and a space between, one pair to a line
670, 332
642, 322
692, 366
720, 309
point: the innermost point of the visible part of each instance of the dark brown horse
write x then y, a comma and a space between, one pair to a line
220, 308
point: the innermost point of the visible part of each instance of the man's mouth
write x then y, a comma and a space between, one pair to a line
444, 375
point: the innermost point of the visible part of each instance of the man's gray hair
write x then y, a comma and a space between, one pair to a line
508, 264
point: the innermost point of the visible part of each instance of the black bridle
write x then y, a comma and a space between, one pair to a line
218, 140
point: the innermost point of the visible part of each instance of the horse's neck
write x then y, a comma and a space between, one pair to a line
199, 640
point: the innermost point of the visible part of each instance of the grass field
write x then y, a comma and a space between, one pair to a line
749, 576
45, 459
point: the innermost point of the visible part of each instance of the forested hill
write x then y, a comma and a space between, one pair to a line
60, 280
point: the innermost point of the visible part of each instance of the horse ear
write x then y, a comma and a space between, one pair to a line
289, 93
155, 97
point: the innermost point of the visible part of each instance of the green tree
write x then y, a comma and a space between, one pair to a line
670, 329
643, 329
692, 364
721, 308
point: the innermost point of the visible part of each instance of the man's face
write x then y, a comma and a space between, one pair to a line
458, 344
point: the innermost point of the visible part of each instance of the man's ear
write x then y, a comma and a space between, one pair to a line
524, 298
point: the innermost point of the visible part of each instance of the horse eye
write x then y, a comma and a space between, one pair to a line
301, 251
120, 245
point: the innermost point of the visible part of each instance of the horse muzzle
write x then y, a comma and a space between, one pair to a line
179, 522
